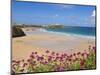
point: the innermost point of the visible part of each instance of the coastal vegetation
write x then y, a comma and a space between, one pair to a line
53, 61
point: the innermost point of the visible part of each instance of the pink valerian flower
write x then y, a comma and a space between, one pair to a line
65, 54
94, 48
25, 64
57, 58
31, 63
18, 62
45, 62
14, 61
47, 51
57, 54
74, 54
69, 60
35, 52
23, 60
50, 58
76, 59
87, 54
40, 58
53, 53
34, 62
32, 56
61, 59
71, 56
83, 54
66, 59
60, 69
62, 55
78, 53
82, 63
42, 55
28, 60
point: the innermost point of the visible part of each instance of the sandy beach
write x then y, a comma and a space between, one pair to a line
41, 41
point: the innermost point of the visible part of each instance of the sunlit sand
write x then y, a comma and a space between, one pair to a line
41, 41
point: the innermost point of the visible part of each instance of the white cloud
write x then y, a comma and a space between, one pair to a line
56, 15
66, 6
93, 13
90, 20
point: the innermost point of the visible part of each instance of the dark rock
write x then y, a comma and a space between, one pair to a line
17, 32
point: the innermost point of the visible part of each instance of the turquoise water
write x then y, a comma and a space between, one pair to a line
88, 31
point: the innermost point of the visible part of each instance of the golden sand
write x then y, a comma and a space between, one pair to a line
23, 46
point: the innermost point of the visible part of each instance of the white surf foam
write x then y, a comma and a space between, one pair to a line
68, 34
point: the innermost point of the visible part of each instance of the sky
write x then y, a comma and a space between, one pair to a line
46, 13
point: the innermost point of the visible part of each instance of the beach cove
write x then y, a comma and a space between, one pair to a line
40, 41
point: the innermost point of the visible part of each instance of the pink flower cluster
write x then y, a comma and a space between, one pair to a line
52, 61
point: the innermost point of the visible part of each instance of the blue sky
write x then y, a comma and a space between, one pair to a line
45, 13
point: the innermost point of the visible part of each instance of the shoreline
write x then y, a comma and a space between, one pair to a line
41, 41
63, 33
68, 34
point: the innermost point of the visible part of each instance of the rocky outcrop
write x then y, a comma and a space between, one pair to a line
17, 32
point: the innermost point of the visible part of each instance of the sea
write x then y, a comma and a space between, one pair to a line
74, 31
87, 32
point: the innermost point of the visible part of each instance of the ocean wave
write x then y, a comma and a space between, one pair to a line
68, 34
